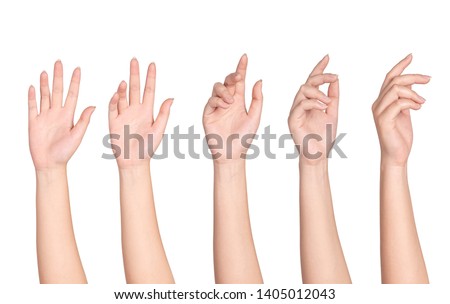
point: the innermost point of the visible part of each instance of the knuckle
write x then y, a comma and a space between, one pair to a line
396, 80
374, 106
396, 87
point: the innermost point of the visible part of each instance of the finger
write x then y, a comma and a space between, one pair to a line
397, 70
45, 92
242, 71
398, 106
318, 80
407, 80
219, 90
232, 79
150, 86
395, 93
113, 106
306, 105
72, 95
79, 129
309, 92
122, 91
257, 99
135, 86
163, 116
214, 103
57, 93
320, 67
32, 107
333, 94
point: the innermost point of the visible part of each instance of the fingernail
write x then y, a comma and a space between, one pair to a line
422, 99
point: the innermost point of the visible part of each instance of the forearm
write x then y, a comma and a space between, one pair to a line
144, 257
401, 255
58, 258
235, 259
322, 259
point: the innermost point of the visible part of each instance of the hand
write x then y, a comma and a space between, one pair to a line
138, 118
225, 115
53, 137
392, 115
312, 111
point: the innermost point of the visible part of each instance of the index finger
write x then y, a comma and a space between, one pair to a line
320, 67
397, 70
241, 70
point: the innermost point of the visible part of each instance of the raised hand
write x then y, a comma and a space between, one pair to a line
144, 257
392, 115
321, 255
229, 129
53, 137
225, 114
401, 254
137, 117
312, 111
53, 140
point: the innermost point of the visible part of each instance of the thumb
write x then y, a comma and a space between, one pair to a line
257, 99
163, 116
79, 129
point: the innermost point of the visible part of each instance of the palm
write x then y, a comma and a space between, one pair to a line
51, 141
227, 122
313, 122
397, 137
137, 120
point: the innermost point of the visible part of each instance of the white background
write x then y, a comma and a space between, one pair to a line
194, 44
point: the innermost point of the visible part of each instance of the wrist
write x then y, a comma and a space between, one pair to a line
144, 166
229, 166
229, 172
318, 163
52, 169
133, 165
389, 162
229, 162
51, 173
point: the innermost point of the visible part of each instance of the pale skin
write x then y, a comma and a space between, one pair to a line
235, 259
144, 256
322, 258
401, 254
53, 139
